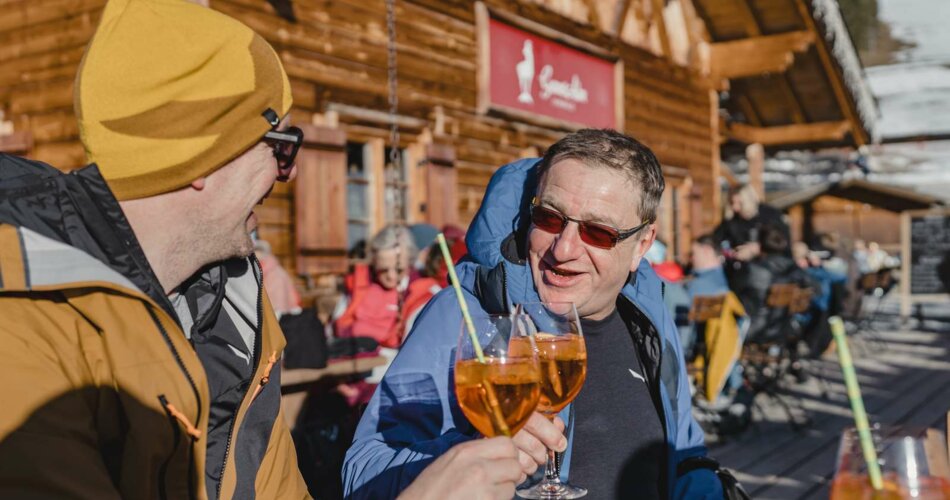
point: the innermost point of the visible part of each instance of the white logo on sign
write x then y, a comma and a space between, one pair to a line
525, 71
562, 94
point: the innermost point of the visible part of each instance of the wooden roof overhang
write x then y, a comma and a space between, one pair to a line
890, 198
792, 79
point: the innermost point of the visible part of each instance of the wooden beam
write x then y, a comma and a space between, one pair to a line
593, 16
836, 80
620, 17
758, 54
661, 28
794, 103
748, 109
748, 18
801, 133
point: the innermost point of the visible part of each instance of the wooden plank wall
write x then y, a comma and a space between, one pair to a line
336, 53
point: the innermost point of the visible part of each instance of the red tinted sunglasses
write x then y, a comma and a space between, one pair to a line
592, 233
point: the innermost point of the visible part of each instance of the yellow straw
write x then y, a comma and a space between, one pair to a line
458, 294
857, 404
494, 406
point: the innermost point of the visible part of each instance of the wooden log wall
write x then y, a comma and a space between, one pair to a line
336, 53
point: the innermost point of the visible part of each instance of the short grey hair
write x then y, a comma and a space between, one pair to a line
392, 236
611, 149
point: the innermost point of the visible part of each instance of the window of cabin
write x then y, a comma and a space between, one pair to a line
359, 197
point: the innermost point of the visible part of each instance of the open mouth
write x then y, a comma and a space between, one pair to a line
558, 275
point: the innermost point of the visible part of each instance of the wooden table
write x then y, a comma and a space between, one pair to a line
295, 383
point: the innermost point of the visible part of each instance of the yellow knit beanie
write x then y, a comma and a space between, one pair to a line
169, 91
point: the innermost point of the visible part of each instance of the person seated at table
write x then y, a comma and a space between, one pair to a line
381, 301
745, 216
705, 279
570, 227
826, 301
772, 266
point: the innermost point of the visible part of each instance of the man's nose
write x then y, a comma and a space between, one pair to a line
568, 245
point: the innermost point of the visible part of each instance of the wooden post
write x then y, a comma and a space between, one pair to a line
905, 266
712, 219
755, 153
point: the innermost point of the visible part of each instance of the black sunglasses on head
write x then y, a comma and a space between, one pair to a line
592, 233
286, 143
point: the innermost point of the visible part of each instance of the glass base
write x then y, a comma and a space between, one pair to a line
552, 491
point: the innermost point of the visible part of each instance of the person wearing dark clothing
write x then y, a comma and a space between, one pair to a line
628, 463
741, 230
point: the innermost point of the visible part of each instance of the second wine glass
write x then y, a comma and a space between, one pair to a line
556, 329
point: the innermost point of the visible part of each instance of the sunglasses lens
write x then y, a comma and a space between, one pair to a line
547, 220
598, 236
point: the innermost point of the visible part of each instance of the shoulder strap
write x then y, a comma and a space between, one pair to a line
731, 488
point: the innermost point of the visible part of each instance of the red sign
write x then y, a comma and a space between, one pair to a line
536, 75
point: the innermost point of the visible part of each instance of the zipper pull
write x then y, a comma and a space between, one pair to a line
190, 429
271, 361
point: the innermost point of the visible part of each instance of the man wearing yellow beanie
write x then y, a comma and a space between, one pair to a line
141, 354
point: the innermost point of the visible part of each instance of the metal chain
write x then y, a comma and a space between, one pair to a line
394, 153
393, 84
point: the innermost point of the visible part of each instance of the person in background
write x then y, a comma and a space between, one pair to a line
381, 300
773, 265
877, 258
280, 287
434, 264
826, 301
706, 277
423, 235
669, 270
860, 255
741, 228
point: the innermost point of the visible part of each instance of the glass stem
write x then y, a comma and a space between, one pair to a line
550, 469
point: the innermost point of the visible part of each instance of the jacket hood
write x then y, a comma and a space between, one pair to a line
499, 234
78, 211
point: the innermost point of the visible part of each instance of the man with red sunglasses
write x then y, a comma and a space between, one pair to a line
572, 226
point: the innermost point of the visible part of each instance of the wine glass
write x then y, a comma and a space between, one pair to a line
499, 392
913, 464
563, 356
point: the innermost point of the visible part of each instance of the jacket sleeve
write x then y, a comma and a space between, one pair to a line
413, 417
690, 439
48, 441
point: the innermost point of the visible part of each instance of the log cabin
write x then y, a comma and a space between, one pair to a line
472, 85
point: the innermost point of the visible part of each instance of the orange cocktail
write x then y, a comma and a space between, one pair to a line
848, 486
507, 388
563, 360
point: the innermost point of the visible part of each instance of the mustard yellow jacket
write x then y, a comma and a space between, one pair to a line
102, 395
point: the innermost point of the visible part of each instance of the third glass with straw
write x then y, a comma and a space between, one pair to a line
556, 330
497, 376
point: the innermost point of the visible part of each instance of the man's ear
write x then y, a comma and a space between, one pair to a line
646, 241
198, 184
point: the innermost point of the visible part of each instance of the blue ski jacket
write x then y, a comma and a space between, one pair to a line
414, 415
